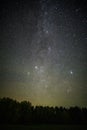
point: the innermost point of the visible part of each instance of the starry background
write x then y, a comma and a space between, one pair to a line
43, 51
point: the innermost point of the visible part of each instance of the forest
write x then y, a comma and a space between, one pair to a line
14, 112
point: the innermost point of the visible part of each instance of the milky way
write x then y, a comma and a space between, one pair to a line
43, 51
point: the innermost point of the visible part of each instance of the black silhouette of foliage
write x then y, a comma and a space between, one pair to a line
14, 112
25, 112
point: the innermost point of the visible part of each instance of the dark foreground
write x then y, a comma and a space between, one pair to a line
43, 127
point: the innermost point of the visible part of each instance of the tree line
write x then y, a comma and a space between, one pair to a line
14, 112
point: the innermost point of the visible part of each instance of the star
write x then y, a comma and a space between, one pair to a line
28, 73
47, 32
49, 48
45, 13
36, 67
46, 86
69, 90
41, 69
71, 72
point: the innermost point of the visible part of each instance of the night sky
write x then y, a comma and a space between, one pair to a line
43, 51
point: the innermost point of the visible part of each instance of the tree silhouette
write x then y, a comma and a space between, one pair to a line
13, 112
9, 110
25, 112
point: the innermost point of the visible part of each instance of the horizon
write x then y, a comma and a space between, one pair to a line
39, 105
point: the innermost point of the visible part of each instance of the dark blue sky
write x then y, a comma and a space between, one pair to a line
43, 51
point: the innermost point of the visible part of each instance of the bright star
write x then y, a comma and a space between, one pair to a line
71, 72
36, 67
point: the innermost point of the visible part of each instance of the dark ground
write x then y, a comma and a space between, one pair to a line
43, 127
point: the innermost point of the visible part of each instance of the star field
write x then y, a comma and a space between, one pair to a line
43, 51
